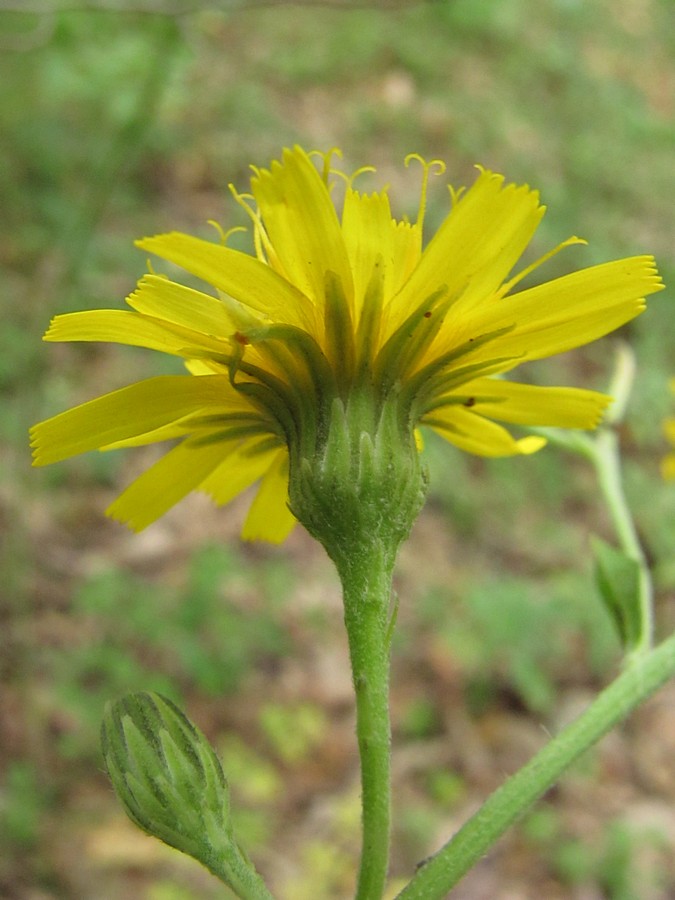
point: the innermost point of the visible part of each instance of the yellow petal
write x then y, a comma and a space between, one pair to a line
373, 238
525, 404
301, 223
170, 479
407, 246
480, 240
474, 434
245, 464
269, 518
243, 277
130, 412
116, 326
163, 299
157, 436
561, 314
205, 367
366, 225
203, 426
126, 327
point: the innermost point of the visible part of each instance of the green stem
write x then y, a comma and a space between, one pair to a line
357, 486
238, 874
603, 452
443, 870
366, 580
606, 459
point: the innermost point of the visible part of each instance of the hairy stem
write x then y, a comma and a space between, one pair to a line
366, 579
443, 870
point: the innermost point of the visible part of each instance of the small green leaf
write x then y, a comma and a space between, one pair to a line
618, 579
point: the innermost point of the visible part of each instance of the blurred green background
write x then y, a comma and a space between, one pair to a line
132, 120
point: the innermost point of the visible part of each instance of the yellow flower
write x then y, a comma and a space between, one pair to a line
339, 298
668, 462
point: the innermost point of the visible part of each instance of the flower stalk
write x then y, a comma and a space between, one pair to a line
358, 491
367, 592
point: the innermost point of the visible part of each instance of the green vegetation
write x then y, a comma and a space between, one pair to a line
119, 124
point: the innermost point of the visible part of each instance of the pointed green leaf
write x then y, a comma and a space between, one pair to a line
618, 578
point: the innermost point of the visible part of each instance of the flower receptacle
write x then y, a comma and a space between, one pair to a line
362, 482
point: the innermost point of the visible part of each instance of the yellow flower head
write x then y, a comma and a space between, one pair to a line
340, 299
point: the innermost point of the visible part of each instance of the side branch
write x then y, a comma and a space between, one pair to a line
443, 870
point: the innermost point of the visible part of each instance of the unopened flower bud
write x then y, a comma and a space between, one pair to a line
172, 785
